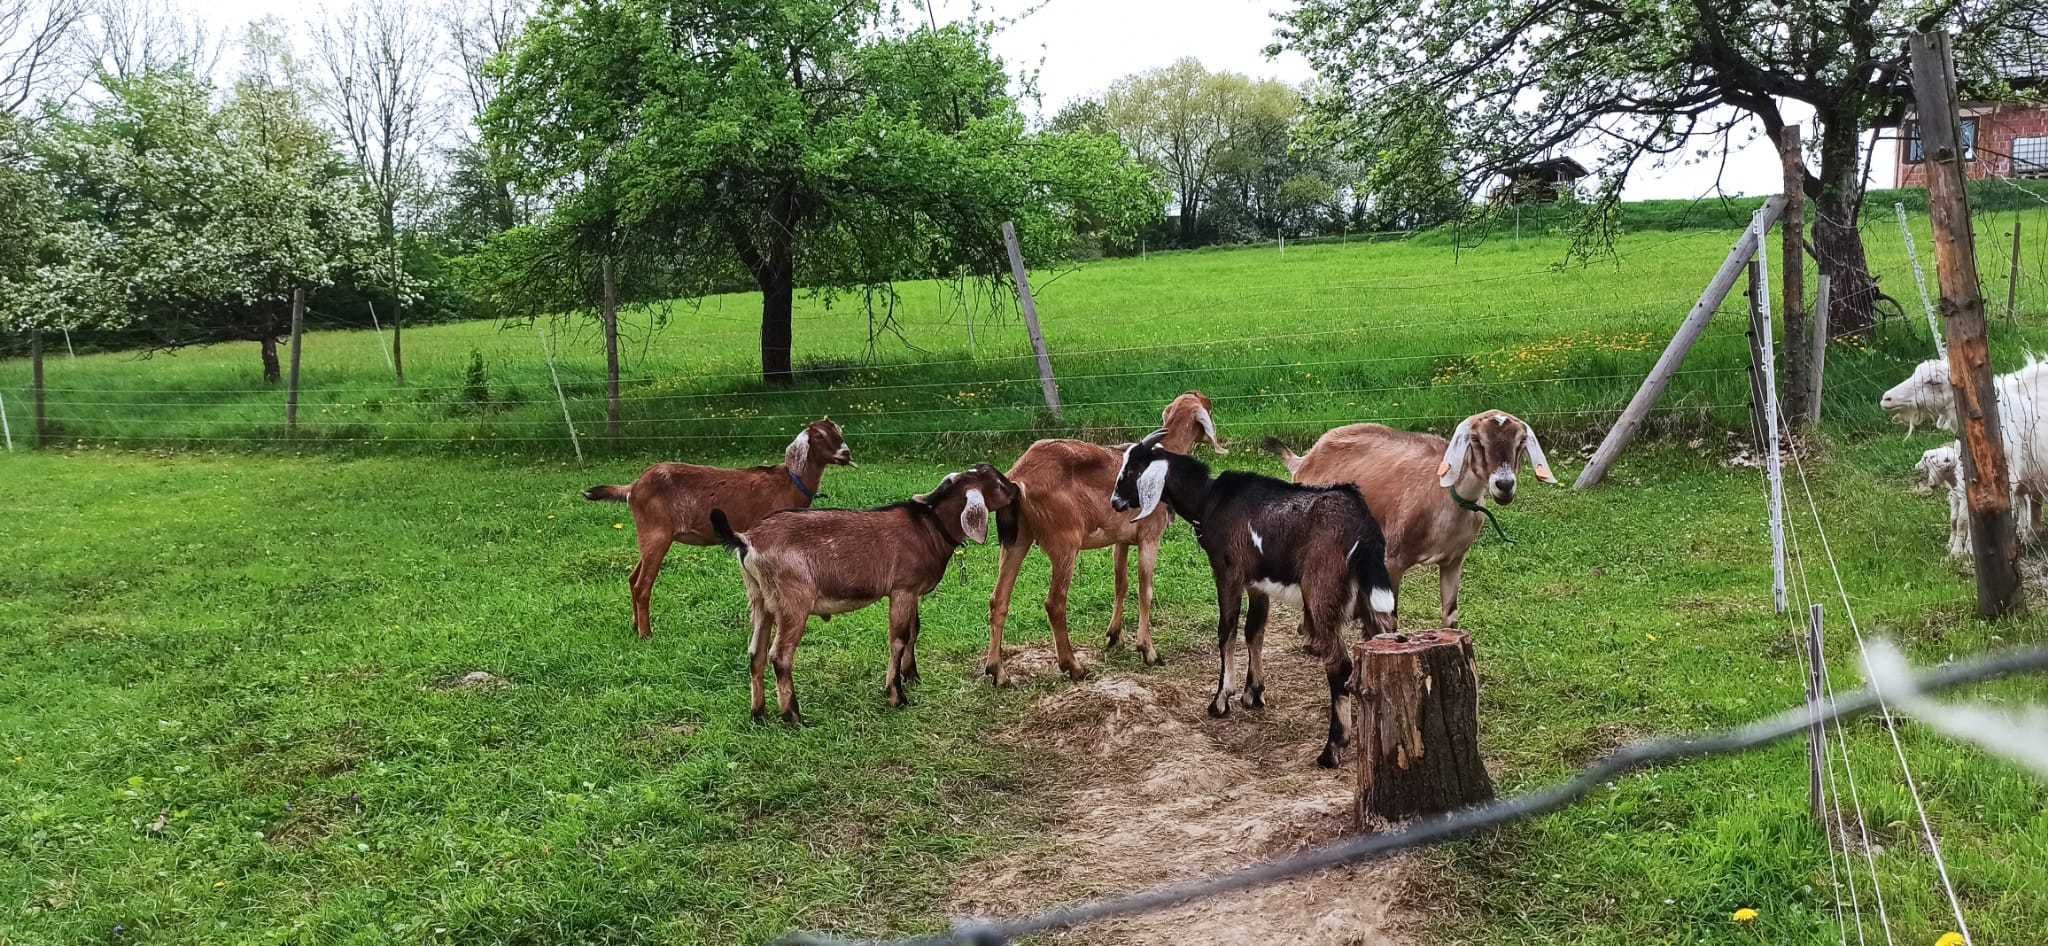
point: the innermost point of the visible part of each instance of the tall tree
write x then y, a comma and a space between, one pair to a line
220, 211
1180, 119
130, 37
36, 47
804, 143
477, 197
376, 59
1637, 82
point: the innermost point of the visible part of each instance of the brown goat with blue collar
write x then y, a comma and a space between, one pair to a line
1267, 538
672, 502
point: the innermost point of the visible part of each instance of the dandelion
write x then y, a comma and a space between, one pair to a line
1950, 939
618, 525
1745, 915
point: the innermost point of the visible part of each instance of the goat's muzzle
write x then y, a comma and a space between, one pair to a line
844, 457
1120, 504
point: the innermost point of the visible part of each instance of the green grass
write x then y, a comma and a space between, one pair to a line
251, 644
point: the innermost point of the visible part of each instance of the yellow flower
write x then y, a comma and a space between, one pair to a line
1950, 939
1745, 915
618, 525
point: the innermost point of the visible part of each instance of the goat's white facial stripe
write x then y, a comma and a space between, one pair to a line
1257, 542
1151, 484
1382, 600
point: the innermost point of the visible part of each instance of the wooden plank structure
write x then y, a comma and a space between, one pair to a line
1417, 725
1688, 334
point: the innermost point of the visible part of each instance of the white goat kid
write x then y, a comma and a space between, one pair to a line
1926, 396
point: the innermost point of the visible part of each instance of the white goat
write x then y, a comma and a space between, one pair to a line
1927, 396
1942, 468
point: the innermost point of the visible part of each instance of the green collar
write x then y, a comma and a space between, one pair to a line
1473, 506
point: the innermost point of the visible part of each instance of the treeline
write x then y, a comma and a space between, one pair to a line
1247, 159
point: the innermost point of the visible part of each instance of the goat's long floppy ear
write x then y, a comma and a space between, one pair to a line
1534, 451
1454, 455
1151, 485
799, 450
1209, 430
974, 517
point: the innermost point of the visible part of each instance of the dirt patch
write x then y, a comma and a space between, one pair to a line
475, 680
1141, 788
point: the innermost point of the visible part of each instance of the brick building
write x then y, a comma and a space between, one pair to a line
2000, 139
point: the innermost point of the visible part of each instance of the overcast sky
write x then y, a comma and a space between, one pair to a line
1081, 46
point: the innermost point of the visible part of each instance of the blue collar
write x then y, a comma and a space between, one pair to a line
809, 494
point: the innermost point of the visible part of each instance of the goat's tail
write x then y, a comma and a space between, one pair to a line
609, 494
1368, 561
1279, 448
723, 527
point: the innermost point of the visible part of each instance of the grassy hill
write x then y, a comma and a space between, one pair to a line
231, 708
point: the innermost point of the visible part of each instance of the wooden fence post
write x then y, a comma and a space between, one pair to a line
5, 430
1816, 731
2012, 285
35, 358
1920, 276
611, 349
1631, 421
1793, 276
1962, 304
291, 398
1030, 307
1817, 366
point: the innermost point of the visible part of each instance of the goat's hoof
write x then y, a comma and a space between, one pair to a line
996, 675
911, 677
1219, 708
793, 718
1255, 698
1076, 673
1152, 658
1114, 640
1328, 760
760, 714
897, 698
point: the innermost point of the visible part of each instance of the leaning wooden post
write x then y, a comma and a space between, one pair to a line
35, 359
2012, 284
1817, 367
1920, 276
548, 352
291, 398
1793, 278
1417, 723
378, 327
1774, 463
1689, 331
1992, 543
6, 431
1030, 307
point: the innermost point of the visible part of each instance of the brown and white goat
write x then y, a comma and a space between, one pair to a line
1316, 546
1428, 493
672, 502
802, 562
1065, 510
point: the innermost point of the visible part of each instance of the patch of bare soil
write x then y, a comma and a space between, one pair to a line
1142, 788
475, 680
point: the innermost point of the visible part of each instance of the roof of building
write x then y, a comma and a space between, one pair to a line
1549, 168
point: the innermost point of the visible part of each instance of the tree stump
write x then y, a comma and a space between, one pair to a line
1418, 725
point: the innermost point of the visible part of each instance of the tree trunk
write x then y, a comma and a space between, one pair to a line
1418, 726
397, 347
1190, 221
272, 371
35, 357
778, 302
610, 313
1792, 275
1837, 243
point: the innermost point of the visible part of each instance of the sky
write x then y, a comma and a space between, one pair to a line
1079, 47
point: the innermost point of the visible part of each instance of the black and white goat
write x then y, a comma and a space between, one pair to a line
1317, 546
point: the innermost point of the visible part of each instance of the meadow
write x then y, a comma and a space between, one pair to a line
234, 708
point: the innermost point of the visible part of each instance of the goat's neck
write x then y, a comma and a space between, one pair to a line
941, 524
1187, 487
811, 473
1471, 486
